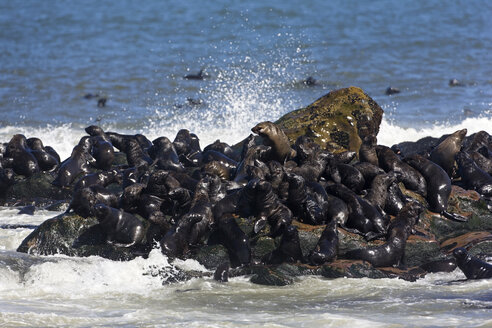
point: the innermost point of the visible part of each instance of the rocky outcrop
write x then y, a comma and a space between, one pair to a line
337, 121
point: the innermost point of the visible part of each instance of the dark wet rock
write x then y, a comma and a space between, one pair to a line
350, 269
73, 235
58, 206
467, 240
420, 250
263, 246
120, 159
308, 236
37, 186
337, 121
482, 249
265, 275
348, 241
211, 256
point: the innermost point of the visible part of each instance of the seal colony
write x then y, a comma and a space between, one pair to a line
183, 199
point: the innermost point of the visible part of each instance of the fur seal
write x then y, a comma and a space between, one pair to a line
230, 235
267, 207
395, 200
347, 175
84, 200
391, 91
130, 198
213, 155
337, 210
6, 180
103, 152
327, 247
443, 154
23, 161
27, 210
135, 155
472, 267
482, 162
202, 208
46, 160
217, 168
252, 154
102, 178
222, 272
363, 218
305, 206
187, 146
314, 167
438, 185
120, 141
75, 165
306, 149
175, 241
223, 148
455, 83
310, 81
481, 140
368, 171
410, 177
367, 151
122, 229
165, 155
276, 138
392, 252
379, 190
198, 76
446, 265
289, 250
473, 176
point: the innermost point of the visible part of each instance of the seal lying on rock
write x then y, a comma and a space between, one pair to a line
122, 229
363, 218
438, 185
473, 176
410, 177
47, 161
23, 161
472, 267
165, 156
85, 199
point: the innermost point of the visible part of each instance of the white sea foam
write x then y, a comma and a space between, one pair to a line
390, 133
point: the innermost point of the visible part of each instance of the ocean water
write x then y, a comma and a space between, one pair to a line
255, 56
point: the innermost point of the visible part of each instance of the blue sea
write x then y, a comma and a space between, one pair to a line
255, 56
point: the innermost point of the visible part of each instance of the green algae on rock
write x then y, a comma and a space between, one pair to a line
337, 121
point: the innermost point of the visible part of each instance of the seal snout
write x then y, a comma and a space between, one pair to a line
459, 253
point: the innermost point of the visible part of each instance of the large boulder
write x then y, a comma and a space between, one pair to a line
35, 187
337, 121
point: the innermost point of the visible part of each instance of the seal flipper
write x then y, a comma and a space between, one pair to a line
260, 224
454, 216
